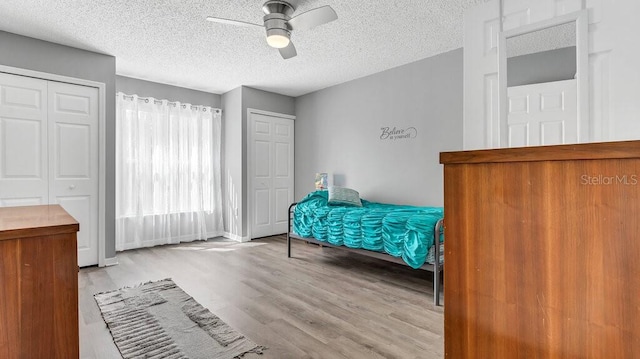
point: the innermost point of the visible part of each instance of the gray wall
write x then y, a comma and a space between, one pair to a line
234, 111
143, 88
546, 66
267, 101
338, 130
37, 55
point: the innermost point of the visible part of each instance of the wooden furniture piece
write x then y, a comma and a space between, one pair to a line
38, 283
542, 256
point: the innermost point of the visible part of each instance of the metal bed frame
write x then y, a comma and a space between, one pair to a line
437, 268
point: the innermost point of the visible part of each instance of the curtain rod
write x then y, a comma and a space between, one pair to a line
174, 103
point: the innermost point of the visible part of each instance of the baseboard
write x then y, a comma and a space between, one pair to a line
235, 237
110, 261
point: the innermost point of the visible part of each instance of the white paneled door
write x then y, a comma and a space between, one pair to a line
542, 114
271, 172
24, 171
49, 151
73, 160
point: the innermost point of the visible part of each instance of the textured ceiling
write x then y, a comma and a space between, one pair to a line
169, 41
551, 38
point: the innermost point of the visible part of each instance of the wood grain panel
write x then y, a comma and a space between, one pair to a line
65, 298
541, 256
601, 150
9, 298
38, 272
32, 221
36, 298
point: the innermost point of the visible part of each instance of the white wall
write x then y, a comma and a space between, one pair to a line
616, 69
614, 73
338, 130
232, 162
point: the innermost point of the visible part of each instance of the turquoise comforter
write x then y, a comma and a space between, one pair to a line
400, 231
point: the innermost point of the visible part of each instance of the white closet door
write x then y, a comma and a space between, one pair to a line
271, 182
49, 151
73, 160
283, 179
23, 141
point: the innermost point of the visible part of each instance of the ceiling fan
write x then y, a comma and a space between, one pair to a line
279, 23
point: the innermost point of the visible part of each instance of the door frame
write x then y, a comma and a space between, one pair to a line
580, 19
251, 159
101, 145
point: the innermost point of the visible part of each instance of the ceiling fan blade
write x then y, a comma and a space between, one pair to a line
221, 20
313, 18
288, 52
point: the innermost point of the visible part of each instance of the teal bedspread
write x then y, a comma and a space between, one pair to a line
400, 231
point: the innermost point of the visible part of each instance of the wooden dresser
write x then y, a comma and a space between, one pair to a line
542, 254
38, 283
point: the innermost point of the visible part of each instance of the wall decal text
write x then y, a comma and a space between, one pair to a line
394, 133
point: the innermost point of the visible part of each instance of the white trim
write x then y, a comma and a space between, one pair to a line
110, 262
171, 240
102, 176
235, 237
269, 113
102, 115
581, 19
251, 159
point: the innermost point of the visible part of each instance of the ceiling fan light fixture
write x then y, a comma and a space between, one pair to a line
278, 38
278, 23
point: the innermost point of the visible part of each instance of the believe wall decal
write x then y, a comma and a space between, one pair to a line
395, 133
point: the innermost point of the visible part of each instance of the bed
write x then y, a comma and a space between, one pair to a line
408, 235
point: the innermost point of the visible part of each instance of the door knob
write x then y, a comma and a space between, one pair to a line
72, 187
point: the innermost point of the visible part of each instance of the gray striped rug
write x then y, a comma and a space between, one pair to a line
159, 320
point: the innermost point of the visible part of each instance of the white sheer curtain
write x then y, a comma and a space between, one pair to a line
168, 186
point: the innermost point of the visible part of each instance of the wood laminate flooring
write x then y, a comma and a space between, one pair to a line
323, 303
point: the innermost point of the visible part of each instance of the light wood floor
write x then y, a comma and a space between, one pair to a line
323, 303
